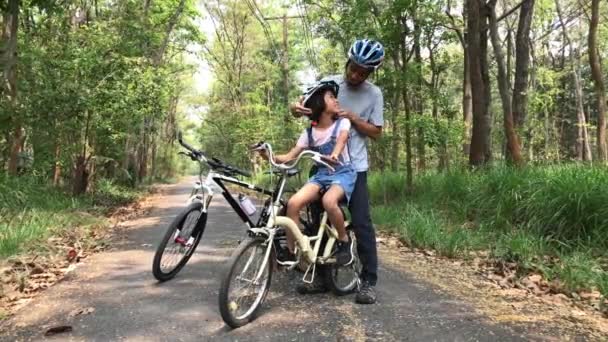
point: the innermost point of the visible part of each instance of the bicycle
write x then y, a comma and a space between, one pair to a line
258, 256
185, 232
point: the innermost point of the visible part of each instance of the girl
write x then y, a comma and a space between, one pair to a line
327, 135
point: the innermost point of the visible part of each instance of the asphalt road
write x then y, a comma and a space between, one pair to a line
129, 305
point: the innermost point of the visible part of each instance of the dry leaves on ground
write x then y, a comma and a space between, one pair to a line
505, 275
23, 276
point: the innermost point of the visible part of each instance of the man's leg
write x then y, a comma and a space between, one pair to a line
366, 238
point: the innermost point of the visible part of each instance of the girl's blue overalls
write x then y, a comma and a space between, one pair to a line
344, 176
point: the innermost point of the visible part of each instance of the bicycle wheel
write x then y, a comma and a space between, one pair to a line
246, 283
175, 249
343, 280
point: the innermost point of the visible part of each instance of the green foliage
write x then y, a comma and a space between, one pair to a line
522, 215
102, 81
33, 211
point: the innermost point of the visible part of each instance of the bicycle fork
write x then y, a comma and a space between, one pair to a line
260, 272
200, 223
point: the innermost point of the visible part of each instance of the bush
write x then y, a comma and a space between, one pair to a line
519, 215
31, 210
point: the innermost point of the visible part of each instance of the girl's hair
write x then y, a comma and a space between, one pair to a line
316, 103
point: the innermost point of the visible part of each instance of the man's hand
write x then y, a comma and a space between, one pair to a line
347, 114
298, 110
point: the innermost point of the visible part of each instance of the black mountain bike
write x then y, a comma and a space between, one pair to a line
185, 232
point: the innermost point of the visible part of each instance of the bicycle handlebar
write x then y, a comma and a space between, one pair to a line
315, 156
213, 162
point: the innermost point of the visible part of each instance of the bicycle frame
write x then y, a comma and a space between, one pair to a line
214, 183
309, 246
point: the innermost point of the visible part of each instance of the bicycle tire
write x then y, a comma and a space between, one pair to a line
198, 230
227, 306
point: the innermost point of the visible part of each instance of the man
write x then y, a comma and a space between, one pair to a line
362, 103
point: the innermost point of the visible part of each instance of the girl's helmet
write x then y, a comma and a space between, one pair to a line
317, 103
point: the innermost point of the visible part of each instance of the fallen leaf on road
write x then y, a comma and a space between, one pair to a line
576, 312
593, 295
72, 254
81, 311
58, 330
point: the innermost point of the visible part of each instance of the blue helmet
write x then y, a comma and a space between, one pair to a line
367, 53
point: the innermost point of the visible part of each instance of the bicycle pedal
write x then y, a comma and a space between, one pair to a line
312, 267
287, 263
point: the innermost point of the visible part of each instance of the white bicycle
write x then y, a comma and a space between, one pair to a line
247, 280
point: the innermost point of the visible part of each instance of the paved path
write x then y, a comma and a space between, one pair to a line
131, 306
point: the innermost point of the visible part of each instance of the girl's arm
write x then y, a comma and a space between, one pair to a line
340, 143
282, 158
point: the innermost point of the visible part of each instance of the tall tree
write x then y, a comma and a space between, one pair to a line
513, 147
582, 145
598, 81
476, 34
522, 62
8, 57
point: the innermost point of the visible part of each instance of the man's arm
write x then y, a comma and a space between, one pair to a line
365, 127
373, 128
361, 125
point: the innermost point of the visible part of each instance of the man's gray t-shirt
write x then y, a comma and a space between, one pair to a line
367, 102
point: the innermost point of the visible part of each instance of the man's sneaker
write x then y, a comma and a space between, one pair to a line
367, 294
344, 252
316, 287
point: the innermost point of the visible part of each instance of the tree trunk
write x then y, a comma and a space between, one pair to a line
57, 163
80, 176
467, 103
153, 171
409, 176
435, 85
583, 150
395, 142
522, 63
481, 128
147, 4
16, 146
8, 60
418, 97
485, 75
142, 170
170, 27
596, 73
509, 55
513, 148
409, 182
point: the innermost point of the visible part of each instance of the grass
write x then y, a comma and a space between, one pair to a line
32, 211
531, 216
